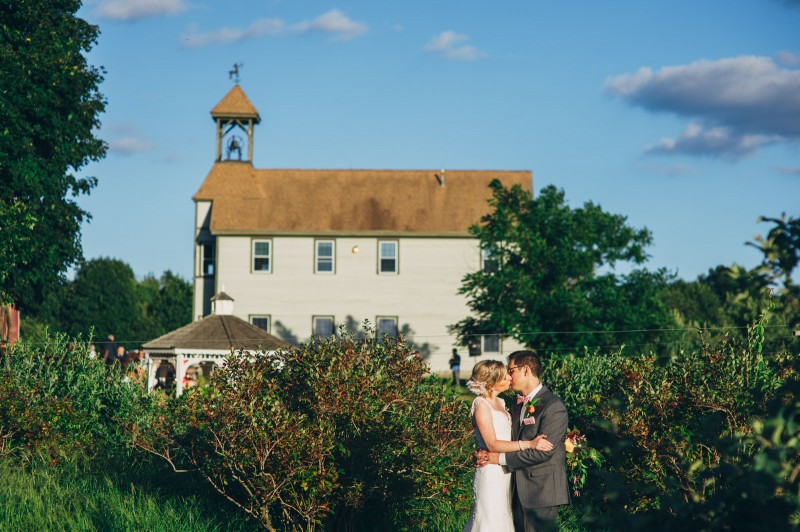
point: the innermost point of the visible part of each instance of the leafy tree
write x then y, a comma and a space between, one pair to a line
728, 298
104, 296
165, 304
781, 250
49, 106
548, 281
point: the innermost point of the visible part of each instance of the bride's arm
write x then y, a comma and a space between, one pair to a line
483, 420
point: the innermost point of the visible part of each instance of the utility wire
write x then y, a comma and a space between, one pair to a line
504, 335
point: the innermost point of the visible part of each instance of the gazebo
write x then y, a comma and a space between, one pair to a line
204, 344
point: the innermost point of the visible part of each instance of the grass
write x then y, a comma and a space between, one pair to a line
64, 498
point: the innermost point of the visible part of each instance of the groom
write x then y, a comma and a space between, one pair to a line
540, 485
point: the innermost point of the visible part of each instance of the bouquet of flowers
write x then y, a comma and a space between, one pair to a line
580, 457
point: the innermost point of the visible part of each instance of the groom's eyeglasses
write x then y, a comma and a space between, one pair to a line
511, 370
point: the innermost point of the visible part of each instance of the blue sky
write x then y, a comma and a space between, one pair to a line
683, 116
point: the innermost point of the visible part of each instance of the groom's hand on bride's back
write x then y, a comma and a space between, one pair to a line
481, 457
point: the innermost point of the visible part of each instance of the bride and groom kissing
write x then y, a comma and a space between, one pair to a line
520, 477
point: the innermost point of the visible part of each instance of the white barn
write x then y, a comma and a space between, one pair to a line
305, 251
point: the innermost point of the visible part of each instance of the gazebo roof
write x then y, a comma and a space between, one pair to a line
216, 333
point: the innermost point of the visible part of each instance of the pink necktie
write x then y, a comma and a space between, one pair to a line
520, 399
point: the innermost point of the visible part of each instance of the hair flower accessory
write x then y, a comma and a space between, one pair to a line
476, 387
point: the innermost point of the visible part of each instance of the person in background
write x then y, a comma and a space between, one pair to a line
109, 350
136, 367
455, 367
120, 357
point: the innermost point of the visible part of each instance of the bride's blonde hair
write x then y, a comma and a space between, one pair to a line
488, 373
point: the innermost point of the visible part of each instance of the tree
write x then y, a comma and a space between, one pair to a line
106, 297
49, 106
103, 296
781, 250
546, 290
165, 304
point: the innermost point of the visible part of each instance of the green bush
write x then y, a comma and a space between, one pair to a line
58, 404
673, 430
343, 433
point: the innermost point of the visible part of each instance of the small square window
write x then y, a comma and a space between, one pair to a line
489, 263
262, 256
325, 250
386, 326
323, 326
262, 322
491, 343
387, 256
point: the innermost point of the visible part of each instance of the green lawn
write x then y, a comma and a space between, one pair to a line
63, 498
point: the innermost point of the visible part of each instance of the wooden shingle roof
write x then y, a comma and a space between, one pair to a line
235, 104
415, 202
218, 332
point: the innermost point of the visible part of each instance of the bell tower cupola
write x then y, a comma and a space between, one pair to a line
235, 118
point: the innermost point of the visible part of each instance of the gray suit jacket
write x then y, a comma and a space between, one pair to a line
540, 478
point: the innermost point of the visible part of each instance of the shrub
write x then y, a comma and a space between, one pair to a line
671, 429
342, 432
57, 403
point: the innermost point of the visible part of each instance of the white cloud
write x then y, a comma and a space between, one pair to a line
789, 170
788, 58
671, 170
716, 142
129, 145
737, 104
448, 44
260, 27
138, 9
333, 22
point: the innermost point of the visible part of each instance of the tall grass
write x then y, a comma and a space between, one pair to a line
65, 498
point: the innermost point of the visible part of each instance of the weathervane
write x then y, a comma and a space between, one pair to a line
234, 74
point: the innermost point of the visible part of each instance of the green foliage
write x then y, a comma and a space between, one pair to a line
580, 458
342, 432
163, 305
74, 499
781, 250
50, 105
728, 298
105, 298
58, 404
172, 307
66, 457
546, 281
680, 435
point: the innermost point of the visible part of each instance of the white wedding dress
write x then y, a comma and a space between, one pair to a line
491, 485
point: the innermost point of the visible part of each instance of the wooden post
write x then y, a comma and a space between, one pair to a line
9, 324
180, 371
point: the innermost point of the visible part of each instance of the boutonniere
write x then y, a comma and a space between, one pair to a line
530, 408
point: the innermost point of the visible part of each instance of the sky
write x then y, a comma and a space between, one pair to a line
682, 115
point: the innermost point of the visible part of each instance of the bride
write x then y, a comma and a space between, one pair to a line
491, 485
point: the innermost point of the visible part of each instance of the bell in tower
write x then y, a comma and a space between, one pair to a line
235, 118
